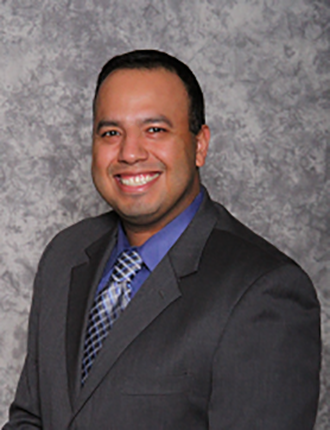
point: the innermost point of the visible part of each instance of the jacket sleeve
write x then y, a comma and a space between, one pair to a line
24, 413
266, 367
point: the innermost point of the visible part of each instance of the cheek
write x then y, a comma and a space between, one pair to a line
102, 157
175, 154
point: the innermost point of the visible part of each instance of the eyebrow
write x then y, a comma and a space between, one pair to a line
151, 120
157, 119
106, 123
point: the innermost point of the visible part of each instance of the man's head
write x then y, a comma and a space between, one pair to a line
150, 59
145, 156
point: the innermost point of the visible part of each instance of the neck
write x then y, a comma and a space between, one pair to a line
137, 237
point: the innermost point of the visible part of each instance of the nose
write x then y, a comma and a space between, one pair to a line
132, 149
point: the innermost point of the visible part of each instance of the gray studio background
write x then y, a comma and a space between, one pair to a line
264, 66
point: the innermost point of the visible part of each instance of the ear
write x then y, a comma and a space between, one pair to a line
202, 145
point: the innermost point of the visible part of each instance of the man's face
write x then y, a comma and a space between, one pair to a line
144, 157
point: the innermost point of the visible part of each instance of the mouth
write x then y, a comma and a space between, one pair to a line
137, 180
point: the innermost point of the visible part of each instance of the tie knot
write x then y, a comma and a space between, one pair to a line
127, 265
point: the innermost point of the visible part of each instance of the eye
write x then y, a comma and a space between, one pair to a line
110, 133
156, 129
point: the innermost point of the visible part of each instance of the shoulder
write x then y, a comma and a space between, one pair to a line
239, 239
71, 240
244, 256
237, 263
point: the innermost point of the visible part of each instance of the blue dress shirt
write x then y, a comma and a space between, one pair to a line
154, 249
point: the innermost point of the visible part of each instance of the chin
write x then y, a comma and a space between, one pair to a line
139, 218
136, 209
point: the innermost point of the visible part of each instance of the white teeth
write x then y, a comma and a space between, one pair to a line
137, 180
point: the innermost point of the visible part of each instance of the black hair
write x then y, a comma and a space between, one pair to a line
152, 59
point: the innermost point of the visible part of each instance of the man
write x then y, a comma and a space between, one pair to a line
166, 313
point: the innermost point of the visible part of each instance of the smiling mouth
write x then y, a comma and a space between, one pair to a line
137, 180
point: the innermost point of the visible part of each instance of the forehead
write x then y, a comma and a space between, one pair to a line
159, 84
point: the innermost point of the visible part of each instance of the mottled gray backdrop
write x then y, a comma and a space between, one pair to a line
264, 66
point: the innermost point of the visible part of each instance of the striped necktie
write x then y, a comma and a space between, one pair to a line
108, 305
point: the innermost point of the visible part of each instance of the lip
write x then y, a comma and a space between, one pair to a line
136, 182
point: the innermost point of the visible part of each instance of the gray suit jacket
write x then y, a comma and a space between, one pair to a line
224, 334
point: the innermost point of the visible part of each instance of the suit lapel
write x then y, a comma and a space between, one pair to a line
84, 281
159, 290
186, 253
